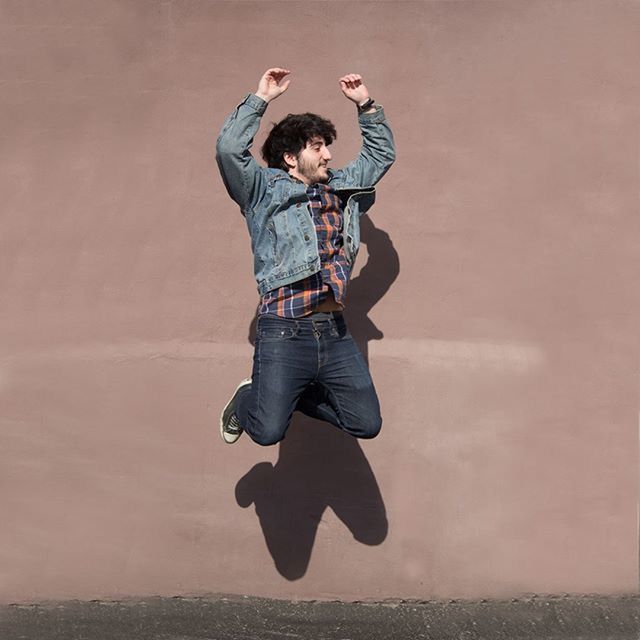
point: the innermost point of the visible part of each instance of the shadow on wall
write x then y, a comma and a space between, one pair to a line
319, 466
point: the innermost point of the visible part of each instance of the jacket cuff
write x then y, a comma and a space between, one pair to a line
256, 103
375, 117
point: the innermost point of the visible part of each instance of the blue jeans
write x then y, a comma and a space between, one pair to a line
310, 365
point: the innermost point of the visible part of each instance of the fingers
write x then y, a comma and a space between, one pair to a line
351, 81
276, 73
271, 83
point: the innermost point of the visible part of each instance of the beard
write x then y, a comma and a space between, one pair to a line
312, 172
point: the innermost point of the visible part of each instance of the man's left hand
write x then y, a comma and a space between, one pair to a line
354, 89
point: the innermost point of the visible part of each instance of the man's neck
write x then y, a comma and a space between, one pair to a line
299, 177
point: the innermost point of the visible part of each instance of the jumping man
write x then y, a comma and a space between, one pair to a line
303, 219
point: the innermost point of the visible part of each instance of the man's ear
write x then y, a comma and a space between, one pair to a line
290, 159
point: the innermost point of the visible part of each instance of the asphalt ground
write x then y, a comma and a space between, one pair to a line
244, 618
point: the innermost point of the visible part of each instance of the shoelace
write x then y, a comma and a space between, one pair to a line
233, 425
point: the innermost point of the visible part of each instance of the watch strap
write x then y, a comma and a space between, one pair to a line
366, 106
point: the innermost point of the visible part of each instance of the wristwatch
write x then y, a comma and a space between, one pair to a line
366, 106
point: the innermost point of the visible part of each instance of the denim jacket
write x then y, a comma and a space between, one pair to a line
276, 207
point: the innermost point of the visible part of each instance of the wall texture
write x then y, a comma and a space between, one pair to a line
497, 303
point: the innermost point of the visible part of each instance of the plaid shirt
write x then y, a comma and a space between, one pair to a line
301, 298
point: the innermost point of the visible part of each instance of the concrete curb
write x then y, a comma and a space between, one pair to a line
237, 617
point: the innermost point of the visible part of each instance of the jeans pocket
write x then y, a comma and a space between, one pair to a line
274, 333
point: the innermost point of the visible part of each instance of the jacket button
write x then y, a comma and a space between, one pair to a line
306, 237
298, 205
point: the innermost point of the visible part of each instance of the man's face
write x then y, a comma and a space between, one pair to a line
312, 162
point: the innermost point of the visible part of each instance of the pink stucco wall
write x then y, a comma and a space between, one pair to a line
499, 309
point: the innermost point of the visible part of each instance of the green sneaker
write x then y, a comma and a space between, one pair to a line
230, 428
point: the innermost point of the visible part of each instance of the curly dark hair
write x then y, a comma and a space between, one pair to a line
291, 135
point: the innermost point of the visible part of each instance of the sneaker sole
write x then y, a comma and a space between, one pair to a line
224, 415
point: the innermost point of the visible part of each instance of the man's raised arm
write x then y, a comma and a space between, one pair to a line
378, 149
240, 172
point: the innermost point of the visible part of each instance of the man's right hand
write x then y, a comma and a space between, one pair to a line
269, 87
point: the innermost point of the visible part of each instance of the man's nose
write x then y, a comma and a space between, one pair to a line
327, 154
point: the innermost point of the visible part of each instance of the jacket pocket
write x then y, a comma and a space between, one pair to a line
283, 244
273, 241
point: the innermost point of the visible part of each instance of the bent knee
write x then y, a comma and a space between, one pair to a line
367, 429
266, 434
266, 439
372, 430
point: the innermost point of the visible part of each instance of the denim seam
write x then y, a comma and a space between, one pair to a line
336, 405
257, 405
